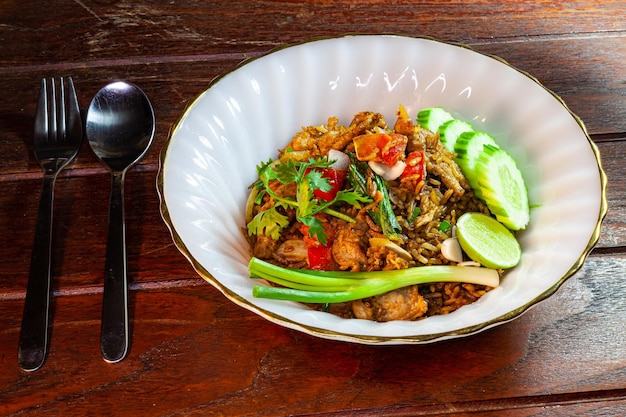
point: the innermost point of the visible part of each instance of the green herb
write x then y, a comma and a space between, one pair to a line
386, 217
310, 286
271, 222
444, 226
356, 175
416, 212
268, 223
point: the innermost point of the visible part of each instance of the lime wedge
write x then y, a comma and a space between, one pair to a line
487, 241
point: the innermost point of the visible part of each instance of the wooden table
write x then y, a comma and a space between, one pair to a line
196, 353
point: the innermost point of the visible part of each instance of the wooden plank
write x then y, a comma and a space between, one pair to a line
195, 352
98, 31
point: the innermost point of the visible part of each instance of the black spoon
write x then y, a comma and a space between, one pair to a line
119, 128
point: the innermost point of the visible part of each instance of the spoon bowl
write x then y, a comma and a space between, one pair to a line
120, 126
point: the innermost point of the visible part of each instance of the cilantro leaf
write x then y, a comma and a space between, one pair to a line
304, 197
316, 229
317, 181
287, 172
353, 198
266, 173
307, 177
269, 223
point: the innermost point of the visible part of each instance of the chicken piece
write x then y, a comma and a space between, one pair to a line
292, 250
446, 169
349, 247
264, 247
445, 172
401, 304
416, 135
302, 147
361, 123
304, 144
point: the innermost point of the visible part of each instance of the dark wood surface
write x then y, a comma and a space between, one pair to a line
194, 352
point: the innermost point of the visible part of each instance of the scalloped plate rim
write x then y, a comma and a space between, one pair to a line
372, 339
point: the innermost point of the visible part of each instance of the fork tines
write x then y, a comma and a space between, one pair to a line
56, 109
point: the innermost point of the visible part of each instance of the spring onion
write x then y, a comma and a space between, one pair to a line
386, 218
310, 286
444, 226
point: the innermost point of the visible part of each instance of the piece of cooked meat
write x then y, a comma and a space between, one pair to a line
401, 304
361, 123
264, 247
440, 162
416, 135
350, 246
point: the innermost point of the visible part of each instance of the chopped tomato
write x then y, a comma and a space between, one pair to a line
415, 170
335, 177
387, 148
319, 256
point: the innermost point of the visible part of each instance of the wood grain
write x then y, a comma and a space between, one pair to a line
206, 356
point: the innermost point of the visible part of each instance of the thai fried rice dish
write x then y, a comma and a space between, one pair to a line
401, 193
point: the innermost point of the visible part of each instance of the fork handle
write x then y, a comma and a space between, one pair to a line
33, 344
114, 334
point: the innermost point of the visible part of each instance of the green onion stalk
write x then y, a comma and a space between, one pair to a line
309, 286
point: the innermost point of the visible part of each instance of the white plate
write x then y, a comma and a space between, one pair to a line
244, 117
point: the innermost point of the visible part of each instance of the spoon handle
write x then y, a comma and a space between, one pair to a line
114, 333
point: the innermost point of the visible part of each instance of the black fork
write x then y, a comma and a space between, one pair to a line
57, 139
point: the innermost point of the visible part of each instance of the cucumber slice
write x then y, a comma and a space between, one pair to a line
502, 187
468, 148
450, 131
433, 117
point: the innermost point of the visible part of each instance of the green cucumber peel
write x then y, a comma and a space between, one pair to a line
502, 187
469, 147
433, 117
450, 131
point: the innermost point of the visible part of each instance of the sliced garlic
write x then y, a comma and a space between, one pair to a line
469, 264
389, 173
382, 242
451, 250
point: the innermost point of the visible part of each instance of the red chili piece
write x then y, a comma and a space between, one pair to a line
335, 177
387, 148
415, 170
319, 256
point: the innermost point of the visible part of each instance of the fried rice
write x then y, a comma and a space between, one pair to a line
440, 199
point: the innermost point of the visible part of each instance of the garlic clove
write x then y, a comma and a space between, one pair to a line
451, 250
